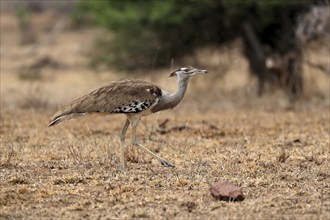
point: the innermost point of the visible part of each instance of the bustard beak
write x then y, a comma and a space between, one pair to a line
202, 71
198, 71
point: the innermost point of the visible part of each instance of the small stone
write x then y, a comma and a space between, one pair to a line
226, 191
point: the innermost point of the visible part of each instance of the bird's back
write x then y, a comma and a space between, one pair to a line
126, 96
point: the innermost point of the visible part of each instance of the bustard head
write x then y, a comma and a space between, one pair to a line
186, 72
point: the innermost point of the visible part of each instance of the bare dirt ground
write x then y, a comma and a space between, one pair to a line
277, 151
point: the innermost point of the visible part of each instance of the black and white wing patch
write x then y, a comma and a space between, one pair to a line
135, 107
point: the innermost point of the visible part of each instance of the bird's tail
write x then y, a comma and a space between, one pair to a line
69, 111
86, 104
61, 118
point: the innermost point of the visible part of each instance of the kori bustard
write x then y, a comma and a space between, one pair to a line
135, 98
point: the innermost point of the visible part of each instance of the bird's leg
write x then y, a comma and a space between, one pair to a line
135, 122
122, 134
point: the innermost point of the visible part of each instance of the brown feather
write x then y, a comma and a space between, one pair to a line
108, 98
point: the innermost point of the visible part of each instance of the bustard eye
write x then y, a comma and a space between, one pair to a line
185, 70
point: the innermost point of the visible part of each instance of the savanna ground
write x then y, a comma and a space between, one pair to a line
277, 151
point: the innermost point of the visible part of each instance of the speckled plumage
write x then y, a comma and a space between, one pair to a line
126, 96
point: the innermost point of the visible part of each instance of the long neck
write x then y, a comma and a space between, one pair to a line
170, 100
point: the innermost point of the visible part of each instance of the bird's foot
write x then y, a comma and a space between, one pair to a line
166, 163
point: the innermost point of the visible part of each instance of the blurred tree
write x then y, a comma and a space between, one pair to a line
149, 33
269, 29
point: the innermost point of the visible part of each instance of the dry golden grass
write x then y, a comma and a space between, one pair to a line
281, 159
278, 152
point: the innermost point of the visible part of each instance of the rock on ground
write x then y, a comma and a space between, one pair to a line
225, 190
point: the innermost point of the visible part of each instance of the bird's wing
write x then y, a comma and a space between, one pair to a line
126, 96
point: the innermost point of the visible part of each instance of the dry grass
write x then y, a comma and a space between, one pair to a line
277, 151
280, 159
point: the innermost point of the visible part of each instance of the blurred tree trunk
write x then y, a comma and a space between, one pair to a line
255, 55
280, 68
275, 52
